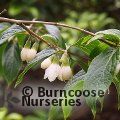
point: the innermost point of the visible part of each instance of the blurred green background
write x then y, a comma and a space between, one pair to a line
93, 15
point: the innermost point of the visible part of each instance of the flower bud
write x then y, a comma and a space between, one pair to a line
46, 63
64, 59
65, 73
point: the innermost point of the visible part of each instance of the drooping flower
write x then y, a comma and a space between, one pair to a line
31, 54
28, 53
52, 72
46, 63
24, 53
117, 68
65, 73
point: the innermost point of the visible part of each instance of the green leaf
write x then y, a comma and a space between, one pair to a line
96, 37
100, 75
78, 55
112, 38
67, 109
98, 49
10, 32
83, 40
11, 62
55, 32
2, 47
49, 38
3, 26
54, 112
110, 31
40, 56
75, 83
76, 79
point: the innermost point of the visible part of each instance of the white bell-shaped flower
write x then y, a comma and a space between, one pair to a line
65, 73
52, 72
24, 53
46, 63
31, 54
117, 68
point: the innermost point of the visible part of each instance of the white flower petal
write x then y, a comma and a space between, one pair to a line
65, 74
46, 63
117, 68
52, 72
24, 53
31, 54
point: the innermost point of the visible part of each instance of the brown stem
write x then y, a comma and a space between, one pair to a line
38, 37
3, 19
32, 33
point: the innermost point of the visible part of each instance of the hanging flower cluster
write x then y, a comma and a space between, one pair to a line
56, 68
28, 53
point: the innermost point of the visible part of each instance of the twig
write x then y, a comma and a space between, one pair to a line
38, 37
32, 33
3, 19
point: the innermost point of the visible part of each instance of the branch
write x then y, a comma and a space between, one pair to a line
3, 19
35, 35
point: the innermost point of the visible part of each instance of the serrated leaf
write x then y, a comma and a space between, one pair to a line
40, 56
11, 62
100, 75
10, 32
49, 38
